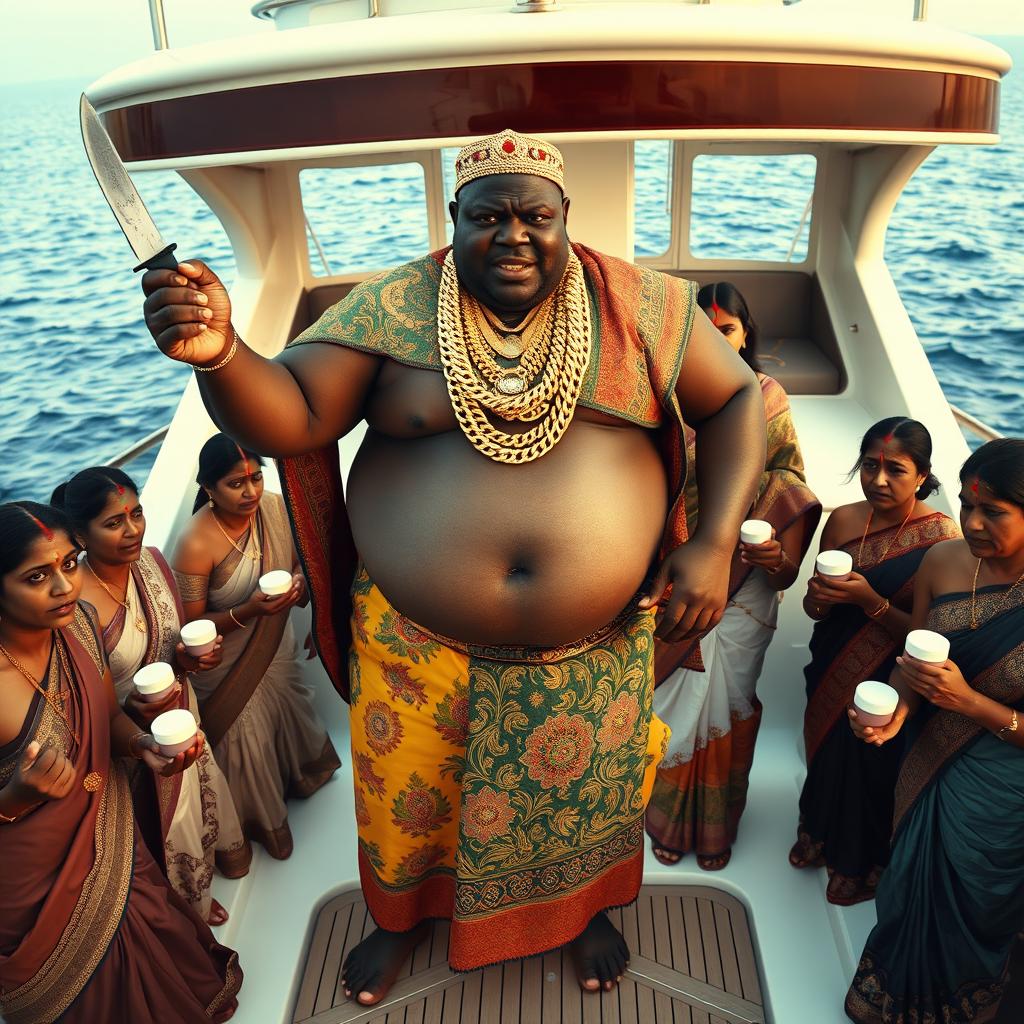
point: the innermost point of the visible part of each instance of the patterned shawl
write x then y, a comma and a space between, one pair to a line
783, 497
991, 659
641, 322
71, 858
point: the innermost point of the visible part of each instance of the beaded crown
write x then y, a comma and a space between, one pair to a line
508, 152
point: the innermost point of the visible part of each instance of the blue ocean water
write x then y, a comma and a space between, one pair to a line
82, 379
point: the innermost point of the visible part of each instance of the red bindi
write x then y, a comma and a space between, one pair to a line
974, 487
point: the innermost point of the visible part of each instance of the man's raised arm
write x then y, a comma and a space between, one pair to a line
303, 399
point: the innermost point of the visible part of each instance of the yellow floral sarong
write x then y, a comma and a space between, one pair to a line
503, 789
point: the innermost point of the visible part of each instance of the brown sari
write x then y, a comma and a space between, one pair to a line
89, 930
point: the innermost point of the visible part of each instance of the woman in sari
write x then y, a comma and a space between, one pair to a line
257, 713
952, 900
89, 928
701, 786
861, 622
134, 593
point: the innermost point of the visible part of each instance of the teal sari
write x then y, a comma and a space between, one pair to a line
952, 900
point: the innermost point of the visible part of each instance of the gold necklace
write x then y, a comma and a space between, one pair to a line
510, 380
1000, 606
892, 543
50, 699
140, 622
252, 535
549, 402
509, 342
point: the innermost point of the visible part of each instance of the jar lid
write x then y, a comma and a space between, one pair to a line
755, 531
173, 727
154, 678
926, 645
198, 631
275, 578
876, 698
834, 563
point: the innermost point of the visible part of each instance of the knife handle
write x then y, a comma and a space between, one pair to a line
163, 260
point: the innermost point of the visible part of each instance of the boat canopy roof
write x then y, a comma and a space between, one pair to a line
440, 78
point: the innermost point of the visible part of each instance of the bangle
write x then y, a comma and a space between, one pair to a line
224, 362
6, 820
132, 752
880, 611
240, 625
1012, 727
783, 559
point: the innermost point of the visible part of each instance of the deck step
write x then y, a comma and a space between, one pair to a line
693, 962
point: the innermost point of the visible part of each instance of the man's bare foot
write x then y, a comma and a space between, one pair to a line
668, 857
218, 915
600, 955
372, 966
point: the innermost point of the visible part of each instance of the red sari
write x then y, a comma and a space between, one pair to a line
89, 929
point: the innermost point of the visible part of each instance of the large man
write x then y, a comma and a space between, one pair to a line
516, 517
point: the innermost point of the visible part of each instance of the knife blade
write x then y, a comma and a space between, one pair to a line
121, 195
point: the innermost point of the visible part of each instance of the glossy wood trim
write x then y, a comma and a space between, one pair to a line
559, 97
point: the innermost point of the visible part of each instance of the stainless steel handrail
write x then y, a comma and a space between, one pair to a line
920, 10
265, 8
139, 448
968, 422
158, 23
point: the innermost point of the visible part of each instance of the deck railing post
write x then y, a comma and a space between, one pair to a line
158, 24
920, 10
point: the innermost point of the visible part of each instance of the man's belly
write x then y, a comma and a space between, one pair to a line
485, 553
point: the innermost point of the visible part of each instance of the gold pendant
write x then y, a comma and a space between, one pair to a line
511, 346
92, 782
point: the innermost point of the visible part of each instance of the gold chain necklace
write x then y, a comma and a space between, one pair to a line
509, 380
892, 543
1000, 606
549, 402
140, 622
252, 536
510, 342
55, 707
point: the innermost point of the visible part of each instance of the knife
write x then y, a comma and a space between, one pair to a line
123, 198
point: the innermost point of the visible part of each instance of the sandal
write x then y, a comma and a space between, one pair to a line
218, 914
844, 891
667, 857
714, 861
805, 853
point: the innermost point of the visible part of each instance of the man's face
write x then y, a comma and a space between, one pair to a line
510, 241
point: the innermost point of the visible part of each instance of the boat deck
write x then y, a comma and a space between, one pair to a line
708, 977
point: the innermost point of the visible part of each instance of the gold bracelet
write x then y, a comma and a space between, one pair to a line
224, 362
783, 559
1012, 727
880, 611
240, 625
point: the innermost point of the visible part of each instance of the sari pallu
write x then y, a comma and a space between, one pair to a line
197, 818
847, 799
89, 930
500, 788
952, 899
713, 711
257, 714
640, 327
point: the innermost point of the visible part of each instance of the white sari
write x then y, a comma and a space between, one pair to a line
199, 824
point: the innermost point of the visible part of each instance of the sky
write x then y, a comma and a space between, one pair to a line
62, 39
